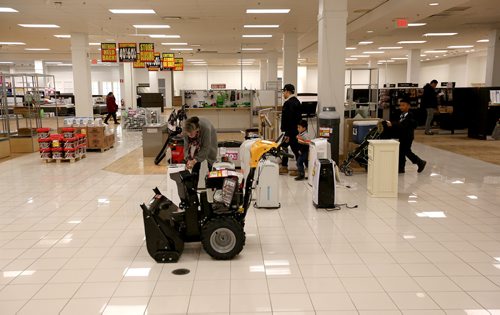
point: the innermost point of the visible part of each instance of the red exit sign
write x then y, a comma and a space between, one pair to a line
401, 23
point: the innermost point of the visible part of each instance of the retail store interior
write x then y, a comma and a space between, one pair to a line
100, 212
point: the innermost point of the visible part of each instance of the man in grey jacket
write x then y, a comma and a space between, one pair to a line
200, 144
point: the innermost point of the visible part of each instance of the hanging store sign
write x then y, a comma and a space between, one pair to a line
138, 63
179, 64
167, 61
127, 52
108, 52
147, 52
155, 65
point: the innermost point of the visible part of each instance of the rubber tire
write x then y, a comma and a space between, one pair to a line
227, 223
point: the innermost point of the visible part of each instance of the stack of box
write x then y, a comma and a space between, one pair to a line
68, 145
100, 138
44, 143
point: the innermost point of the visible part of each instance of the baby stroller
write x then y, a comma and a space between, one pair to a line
360, 155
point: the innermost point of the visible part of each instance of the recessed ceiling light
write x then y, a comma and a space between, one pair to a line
7, 10
195, 45
483, 41
12, 43
39, 25
53, 62
132, 11
252, 49
62, 36
399, 58
65, 64
373, 52
350, 48
416, 24
151, 26
460, 46
439, 34
390, 48
5, 62
174, 44
434, 3
181, 49
261, 26
360, 56
436, 51
37, 49
412, 42
367, 42
369, 31
268, 11
351, 59
256, 36
164, 36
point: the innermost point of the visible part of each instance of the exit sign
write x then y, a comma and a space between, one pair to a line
401, 23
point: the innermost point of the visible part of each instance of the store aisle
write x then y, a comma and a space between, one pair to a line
72, 242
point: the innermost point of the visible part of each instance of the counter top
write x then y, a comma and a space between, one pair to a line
221, 108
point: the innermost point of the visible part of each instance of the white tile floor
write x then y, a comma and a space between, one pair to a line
72, 242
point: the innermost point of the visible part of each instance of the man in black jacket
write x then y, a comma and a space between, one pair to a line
404, 130
290, 118
430, 103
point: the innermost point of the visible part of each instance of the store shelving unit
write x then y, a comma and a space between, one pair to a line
362, 95
4, 119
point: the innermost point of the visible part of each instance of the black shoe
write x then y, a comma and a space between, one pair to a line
429, 133
421, 166
300, 177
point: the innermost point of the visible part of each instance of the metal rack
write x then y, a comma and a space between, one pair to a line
352, 104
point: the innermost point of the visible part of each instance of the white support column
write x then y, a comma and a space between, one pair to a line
290, 55
493, 60
263, 74
332, 29
153, 81
272, 67
413, 66
40, 67
81, 75
169, 93
129, 93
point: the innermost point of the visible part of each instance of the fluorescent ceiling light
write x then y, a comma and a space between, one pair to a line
367, 42
436, 51
256, 36
268, 11
195, 45
65, 64
399, 58
483, 41
37, 49
457, 182
39, 25
416, 24
62, 36
373, 52
53, 62
423, 55
5, 62
473, 197
350, 48
369, 31
7, 10
351, 59
12, 43
434, 4
164, 36
412, 42
174, 44
261, 26
199, 64
252, 49
360, 56
151, 26
192, 60
95, 44
460, 46
390, 48
132, 11
440, 34
181, 49
386, 61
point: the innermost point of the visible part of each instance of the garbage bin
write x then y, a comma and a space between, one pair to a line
329, 128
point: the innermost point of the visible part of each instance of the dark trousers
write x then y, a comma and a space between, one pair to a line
110, 115
302, 162
294, 146
196, 172
405, 152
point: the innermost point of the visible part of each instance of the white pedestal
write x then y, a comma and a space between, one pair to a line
383, 159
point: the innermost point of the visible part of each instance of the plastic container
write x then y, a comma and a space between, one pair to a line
56, 140
360, 129
43, 133
44, 143
45, 153
68, 132
57, 153
70, 142
70, 153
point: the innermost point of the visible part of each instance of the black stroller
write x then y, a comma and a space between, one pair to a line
360, 155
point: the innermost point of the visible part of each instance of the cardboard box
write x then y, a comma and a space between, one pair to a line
94, 136
177, 101
4, 147
23, 144
96, 131
96, 144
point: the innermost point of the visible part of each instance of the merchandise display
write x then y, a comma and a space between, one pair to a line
324, 183
135, 119
67, 146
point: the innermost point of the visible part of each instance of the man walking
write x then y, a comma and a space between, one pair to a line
430, 103
290, 118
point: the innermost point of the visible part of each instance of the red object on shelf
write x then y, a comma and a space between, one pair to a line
69, 149
69, 139
177, 153
44, 140
45, 150
68, 129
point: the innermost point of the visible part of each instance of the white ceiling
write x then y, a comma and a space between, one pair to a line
217, 25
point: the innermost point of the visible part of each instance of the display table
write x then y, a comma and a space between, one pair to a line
23, 144
153, 138
229, 119
60, 109
4, 147
383, 159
